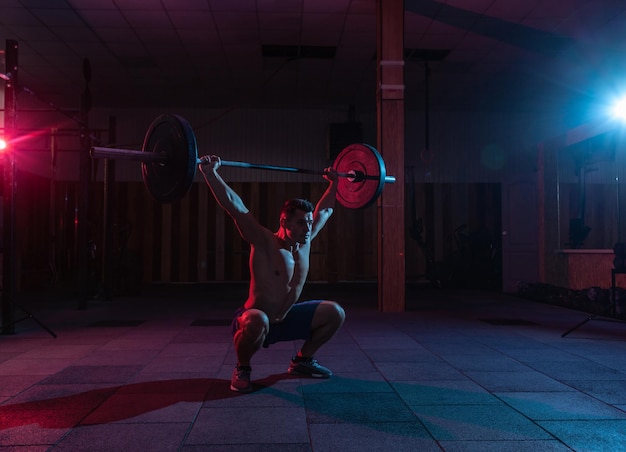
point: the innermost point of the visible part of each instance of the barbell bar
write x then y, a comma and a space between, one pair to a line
99, 152
169, 159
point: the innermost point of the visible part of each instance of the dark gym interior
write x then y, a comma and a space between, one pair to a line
478, 252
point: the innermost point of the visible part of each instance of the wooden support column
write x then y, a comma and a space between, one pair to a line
390, 132
9, 237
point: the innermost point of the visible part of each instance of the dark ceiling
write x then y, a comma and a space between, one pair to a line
484, 54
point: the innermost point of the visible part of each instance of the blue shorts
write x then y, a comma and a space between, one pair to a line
295, 325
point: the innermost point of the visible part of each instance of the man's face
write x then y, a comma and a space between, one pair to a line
298, 226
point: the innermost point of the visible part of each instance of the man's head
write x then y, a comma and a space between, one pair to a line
296, 219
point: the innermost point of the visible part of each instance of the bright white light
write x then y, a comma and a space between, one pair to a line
619, 109
3, 145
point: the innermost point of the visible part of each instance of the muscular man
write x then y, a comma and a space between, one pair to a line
279, 265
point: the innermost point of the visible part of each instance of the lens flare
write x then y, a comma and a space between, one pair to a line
619, 109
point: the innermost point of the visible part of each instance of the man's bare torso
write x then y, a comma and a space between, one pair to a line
277, 276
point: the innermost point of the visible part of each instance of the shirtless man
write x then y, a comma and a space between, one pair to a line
279, 265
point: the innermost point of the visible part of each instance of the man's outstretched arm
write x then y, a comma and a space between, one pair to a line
326, 204
228, 199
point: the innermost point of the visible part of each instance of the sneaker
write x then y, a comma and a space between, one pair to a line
240, 380
309, 367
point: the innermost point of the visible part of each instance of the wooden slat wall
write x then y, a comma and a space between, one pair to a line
458, 183
601, 214
194, 241
443, 208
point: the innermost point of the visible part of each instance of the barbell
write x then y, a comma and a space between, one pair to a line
169, 159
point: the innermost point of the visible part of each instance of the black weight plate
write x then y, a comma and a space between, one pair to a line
364, 158
171, 135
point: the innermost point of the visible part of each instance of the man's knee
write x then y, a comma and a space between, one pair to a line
331, 313
254, 324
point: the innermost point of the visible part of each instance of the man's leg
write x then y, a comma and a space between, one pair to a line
253, 327
248, 339
327, 320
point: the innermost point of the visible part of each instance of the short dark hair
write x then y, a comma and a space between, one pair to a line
290, 206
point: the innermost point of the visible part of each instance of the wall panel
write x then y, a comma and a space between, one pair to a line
194, 241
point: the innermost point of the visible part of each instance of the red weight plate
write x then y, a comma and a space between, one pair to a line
366, 159
171, 135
